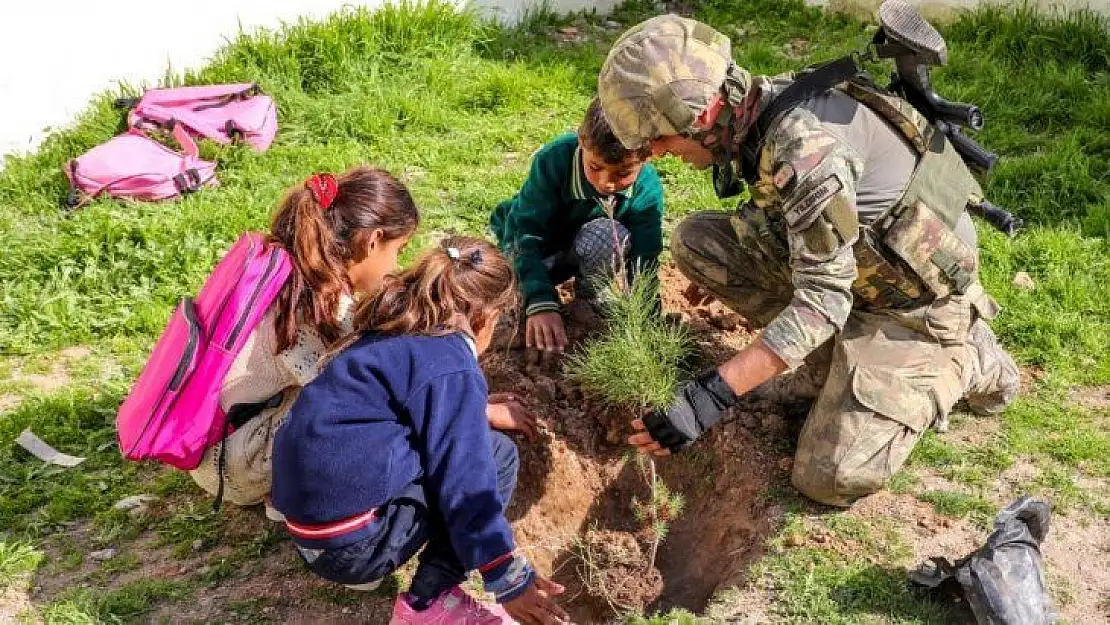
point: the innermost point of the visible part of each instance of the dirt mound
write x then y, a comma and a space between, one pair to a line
574, 511
612, 570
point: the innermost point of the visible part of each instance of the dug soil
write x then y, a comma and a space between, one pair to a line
572, 510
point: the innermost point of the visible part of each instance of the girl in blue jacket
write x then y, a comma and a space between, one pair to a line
389, 449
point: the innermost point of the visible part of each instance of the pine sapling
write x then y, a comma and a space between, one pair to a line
635, 366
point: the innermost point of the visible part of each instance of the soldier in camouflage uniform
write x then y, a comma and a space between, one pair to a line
855, 255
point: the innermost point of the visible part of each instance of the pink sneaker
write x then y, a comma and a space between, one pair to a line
453, 607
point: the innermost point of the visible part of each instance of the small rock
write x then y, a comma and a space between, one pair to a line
183, 570
134, 501
612, 25
786, 464
770, 423
346, 610
727, 322
197, 544
569, 31
268, 609
103, 554
796, 48
795, 540
748, 420
1024, 281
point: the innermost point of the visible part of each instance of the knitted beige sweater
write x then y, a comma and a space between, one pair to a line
257, 374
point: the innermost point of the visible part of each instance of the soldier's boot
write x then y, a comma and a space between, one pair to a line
991, 379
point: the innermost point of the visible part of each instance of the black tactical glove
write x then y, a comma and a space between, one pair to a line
696, 407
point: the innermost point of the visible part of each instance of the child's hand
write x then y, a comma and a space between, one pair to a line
545, 331
505, 412
536, 606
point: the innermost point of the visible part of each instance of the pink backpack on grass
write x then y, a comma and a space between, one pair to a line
173, 412
133, 165
221, 113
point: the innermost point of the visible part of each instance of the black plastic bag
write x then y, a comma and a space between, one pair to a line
1002, 581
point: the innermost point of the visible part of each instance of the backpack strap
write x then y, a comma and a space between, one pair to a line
898, 112
73, 199
249, 92
181, 135
236, 418
808, 85
232, 130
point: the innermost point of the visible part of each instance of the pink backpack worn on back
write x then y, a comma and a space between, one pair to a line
218, 112
173, 412
135, 166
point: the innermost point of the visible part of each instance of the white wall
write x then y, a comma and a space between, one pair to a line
56, 54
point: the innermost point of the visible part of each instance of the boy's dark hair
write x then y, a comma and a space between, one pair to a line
596, 134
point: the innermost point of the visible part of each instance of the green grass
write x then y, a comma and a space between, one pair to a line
456, 107
814, 583
124, 603
68, 613
675, 617
18, 560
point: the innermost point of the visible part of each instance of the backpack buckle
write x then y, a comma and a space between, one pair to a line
187, 181
232, 131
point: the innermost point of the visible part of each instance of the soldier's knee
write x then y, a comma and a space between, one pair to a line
835, 484
698, 249
680, 241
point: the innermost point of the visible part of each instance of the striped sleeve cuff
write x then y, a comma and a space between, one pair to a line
507, 577
541, 307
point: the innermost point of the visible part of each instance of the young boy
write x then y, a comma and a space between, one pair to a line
558, 227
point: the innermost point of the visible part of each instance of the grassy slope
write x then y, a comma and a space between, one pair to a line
456, 108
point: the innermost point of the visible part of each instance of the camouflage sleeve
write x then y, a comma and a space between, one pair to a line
810, 175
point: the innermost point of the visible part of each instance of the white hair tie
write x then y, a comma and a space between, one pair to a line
453, 252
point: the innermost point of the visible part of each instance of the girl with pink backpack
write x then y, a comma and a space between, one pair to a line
230, 363
342, 235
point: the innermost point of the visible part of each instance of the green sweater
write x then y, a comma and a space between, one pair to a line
555, 201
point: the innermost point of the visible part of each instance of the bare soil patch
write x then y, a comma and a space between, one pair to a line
1095, 398
572, 509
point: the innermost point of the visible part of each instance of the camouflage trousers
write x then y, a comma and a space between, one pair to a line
878, 385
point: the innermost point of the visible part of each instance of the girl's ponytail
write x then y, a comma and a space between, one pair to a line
450, 289
325, 225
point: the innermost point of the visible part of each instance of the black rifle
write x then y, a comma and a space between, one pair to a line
916, 46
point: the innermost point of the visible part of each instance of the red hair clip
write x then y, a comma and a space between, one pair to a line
324, 189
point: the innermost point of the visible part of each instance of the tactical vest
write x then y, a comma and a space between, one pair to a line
911, 254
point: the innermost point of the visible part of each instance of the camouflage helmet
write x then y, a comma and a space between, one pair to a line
660, 75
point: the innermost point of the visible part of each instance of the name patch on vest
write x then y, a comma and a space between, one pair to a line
802, 211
